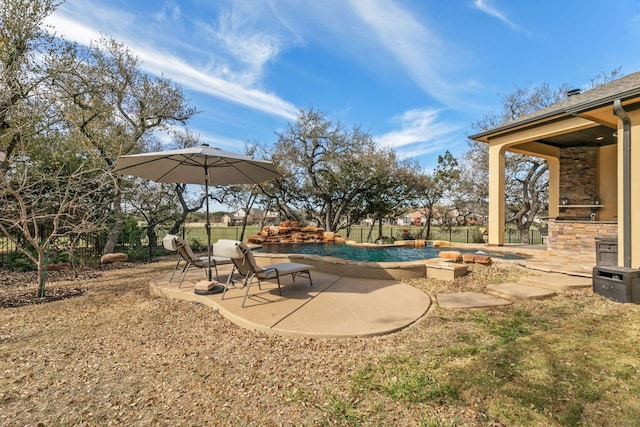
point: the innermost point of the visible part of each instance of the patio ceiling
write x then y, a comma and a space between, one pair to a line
597, 136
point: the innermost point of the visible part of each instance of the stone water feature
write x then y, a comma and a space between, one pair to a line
294, 232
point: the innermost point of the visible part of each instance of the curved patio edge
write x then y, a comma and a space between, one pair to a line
334, 307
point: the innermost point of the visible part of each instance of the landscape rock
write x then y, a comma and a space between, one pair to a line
419, 243
59, 267
292, 232
482, 259
452, 255
470, 258
115, 257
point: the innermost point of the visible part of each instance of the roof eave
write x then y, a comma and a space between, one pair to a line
574, 110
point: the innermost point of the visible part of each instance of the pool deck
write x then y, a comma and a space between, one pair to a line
334, 307
341, 306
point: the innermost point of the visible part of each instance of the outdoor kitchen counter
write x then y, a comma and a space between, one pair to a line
578, 235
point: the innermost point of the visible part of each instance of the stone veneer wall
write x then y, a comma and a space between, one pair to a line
579, 236
579, 175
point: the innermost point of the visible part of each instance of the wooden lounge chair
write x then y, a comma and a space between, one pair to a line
246, 266
186, 254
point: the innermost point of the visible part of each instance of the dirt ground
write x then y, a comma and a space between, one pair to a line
101, 351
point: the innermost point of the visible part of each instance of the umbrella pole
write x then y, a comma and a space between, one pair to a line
208, 223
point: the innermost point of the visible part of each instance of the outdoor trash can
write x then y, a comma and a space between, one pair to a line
620, 284
606, 251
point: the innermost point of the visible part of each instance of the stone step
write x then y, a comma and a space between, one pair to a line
518, 291
469, 300
557, 282
442, 270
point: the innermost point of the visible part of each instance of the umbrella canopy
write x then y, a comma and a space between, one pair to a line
197, 165
188, 166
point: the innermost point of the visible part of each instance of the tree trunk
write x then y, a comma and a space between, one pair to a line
373, 224
428, 225
112, 237
523, 230
42, 272
152, 236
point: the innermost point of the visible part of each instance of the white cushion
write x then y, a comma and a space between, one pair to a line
169, 242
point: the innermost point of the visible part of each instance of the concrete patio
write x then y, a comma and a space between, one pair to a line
338, 306
334, 306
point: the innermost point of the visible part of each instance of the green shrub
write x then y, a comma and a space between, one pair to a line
477, 235
18, 261
197, 245
131, 234
141, 253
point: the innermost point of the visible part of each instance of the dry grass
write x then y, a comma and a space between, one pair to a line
114, 355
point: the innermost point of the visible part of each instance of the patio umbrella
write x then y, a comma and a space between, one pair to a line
197, 165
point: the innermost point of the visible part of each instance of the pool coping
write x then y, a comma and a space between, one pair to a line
347, 268
439, 268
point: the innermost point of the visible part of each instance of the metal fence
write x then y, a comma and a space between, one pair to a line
91, 246
361, 234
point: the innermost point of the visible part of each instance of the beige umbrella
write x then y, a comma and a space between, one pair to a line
197, 165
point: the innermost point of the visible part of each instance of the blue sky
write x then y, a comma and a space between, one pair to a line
415, 74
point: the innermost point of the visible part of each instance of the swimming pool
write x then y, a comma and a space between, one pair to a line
368, 253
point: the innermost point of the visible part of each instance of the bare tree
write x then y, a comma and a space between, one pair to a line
48, 201
22, 41
117, 107
327, 170
431, 188
66, 113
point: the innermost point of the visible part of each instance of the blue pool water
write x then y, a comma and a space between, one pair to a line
372, 254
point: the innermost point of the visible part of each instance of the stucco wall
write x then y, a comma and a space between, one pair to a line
607, 182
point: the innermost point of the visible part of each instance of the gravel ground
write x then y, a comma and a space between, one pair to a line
101, 351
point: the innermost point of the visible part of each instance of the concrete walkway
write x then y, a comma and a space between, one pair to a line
333, 307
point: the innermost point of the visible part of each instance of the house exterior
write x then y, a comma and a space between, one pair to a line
254, 217
591, 141
412, 218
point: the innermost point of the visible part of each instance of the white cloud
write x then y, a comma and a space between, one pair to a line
421, 132
246, 44
379, 34
88, 28
187, 76
486, 7
170, 12
420, 51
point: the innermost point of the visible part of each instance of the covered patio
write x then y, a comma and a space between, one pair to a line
591, 141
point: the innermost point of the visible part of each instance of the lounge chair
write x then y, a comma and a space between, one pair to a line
169, 243
246, 266
178, 244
